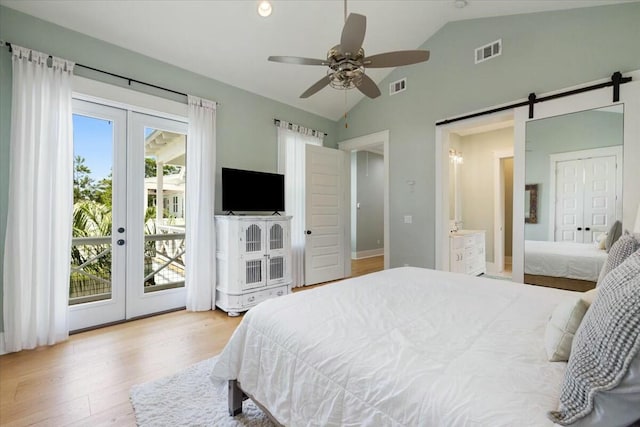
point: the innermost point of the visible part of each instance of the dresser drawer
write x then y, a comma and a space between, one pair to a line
253, 298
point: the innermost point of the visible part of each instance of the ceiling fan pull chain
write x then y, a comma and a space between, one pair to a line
346, 125
345, 10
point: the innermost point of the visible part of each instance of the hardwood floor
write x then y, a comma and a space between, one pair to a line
85, 381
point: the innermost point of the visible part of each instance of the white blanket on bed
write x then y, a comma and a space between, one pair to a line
581, 261
407, 346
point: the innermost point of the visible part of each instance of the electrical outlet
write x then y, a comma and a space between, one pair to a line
408, 219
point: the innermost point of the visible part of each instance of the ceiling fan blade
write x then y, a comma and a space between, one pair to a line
316, 87
298, 60
353, 33
396, 59
369, 87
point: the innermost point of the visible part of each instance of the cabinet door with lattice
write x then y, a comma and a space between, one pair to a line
278, 268
252, 254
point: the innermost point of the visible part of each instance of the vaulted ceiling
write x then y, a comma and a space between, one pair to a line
228, 41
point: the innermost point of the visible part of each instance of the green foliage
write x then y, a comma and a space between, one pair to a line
83, 184
150, 167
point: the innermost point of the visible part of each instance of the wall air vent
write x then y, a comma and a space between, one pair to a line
397, 86
488, 51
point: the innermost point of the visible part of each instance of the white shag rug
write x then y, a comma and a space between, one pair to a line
189, 398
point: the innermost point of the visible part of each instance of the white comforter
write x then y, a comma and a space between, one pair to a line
581, 261
407, 346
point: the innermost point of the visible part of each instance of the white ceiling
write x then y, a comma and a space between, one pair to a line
228, 41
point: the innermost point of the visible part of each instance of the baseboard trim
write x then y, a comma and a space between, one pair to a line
491, 267
370, 253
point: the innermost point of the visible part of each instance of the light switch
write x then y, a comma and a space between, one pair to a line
408, 219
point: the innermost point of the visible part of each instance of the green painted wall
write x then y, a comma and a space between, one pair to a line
246, 136
541, 52
370, 195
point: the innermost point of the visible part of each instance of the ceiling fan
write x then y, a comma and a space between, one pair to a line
347, 62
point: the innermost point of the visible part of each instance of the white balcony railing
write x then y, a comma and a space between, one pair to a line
91, 264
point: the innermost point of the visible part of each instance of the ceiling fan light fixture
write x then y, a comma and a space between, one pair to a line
264, 8
346, 79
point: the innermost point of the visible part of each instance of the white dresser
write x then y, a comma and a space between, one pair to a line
253, 260
466, 252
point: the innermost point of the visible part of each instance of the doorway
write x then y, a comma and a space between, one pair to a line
369, 206
472, 185
128, 222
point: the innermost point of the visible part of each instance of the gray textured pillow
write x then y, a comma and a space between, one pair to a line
620, 251
606, 344
613, 235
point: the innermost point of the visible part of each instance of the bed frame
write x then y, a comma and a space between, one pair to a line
237, 396
559, 282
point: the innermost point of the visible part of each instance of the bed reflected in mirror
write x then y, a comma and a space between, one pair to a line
573, 178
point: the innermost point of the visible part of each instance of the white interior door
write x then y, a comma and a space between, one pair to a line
599, 195
327, 201
588, 193
569, 201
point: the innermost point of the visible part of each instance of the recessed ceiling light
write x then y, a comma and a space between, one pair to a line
264, 8
460, 3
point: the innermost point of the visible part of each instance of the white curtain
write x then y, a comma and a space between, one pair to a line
200, 244
37, 253
291, 162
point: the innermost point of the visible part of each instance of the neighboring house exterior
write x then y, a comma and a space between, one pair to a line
166, 148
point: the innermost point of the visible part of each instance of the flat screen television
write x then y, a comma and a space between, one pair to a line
251, 191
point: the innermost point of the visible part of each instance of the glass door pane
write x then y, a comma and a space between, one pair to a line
164, 231
92, 218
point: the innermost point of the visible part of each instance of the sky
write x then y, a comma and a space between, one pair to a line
93, 140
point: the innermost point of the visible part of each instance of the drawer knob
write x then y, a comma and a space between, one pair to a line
279, 293
252, 298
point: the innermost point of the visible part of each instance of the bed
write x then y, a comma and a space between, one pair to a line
567, 265
405, 346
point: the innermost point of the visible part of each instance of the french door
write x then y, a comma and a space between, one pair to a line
127, 256
587, 190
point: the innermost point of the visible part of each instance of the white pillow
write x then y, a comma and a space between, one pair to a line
561, 328
589, 296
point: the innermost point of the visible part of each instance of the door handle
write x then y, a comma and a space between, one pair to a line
120, 229
120, 242
579, 228
308, 231
587, 229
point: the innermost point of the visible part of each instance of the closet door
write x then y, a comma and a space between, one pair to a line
569, 201
599, 196
586, 197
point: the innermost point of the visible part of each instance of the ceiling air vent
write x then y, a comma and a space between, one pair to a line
397, 86
488, 51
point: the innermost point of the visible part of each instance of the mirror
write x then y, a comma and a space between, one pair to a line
531, 203
573, 184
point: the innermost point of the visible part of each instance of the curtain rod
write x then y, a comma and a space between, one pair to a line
277, 123
616, 81
128, 79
